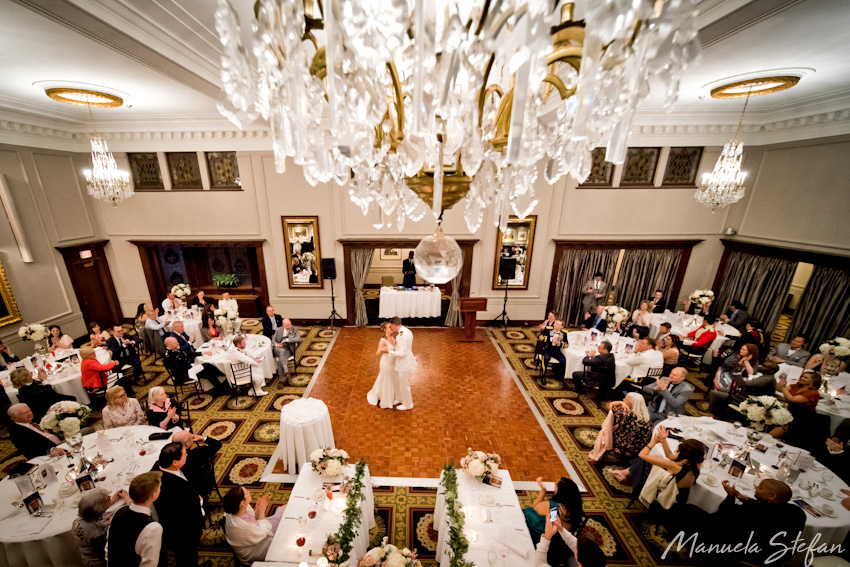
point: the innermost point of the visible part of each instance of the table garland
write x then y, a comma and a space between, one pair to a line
338, 545
457, 541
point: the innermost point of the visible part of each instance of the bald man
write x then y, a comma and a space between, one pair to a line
181, 362
185, 341
285, 340
669, 395
28, 437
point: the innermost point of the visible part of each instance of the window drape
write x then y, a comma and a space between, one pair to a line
577, 266
759, 282
642, 271
453, 313
361, 261
824, 308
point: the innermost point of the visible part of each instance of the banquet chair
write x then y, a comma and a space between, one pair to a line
193, 380
387, 281
240, 376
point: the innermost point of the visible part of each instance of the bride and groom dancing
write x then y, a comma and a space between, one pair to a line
397, 361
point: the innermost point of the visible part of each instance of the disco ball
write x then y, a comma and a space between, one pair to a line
438, 258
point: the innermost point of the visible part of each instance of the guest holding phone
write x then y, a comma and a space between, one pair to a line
566, 503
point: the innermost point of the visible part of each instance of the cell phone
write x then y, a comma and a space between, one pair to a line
553, 515
262, 358
158, 436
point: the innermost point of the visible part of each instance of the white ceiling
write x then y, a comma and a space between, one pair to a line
165, 53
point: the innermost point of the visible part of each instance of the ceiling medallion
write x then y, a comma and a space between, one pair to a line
755, 87
84, 97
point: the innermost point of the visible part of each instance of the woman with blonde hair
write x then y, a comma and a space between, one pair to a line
120, 410
163, 411
384, 388
626, 430
94, 373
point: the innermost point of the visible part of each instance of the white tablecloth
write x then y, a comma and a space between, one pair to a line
831, 530
67, 379
419, 302
305, 425
317, 530
574, 356
257, 346
507, 522
838, 407
684, 324
22, 544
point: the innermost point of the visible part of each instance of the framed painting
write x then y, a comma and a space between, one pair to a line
515, 245
304, 258
390, 254
9, 312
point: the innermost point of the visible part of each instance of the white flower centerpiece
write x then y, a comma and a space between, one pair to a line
700, 297
34, 332
479, 464
764, 411
615, 315
181, 291
65, 418
226, 319
839, 346
388, 555
328, 462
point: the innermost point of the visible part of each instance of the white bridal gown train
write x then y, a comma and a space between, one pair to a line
384, 388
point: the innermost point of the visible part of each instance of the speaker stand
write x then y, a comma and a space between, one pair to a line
334, 315
504, 320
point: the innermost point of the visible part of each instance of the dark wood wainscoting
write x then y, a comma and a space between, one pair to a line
167, 263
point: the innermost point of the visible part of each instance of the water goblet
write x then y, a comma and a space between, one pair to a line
827, 476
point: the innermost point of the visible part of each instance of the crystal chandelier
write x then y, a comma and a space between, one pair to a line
725, 185
104, 180
416, 105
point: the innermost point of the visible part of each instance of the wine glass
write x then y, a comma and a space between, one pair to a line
827, 476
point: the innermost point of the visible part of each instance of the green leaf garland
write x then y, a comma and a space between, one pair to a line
457, 541
338, 546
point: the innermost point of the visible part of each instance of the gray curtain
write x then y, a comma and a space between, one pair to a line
453, 314
642, 271
577, 266
361, 261
759, 282
824, 309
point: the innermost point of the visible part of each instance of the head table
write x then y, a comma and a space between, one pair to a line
417, 302
708, 491
30, 541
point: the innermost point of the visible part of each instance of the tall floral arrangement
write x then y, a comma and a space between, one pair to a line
614, 314
65, 418
762, 411
839, 346
181, 291
226, 318
328, 461
480, 464
701, 296
33, 332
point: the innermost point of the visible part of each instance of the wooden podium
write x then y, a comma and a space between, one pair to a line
469, 306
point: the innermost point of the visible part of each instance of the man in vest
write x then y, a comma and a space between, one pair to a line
134, 539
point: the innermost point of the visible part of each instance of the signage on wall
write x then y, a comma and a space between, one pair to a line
85, 254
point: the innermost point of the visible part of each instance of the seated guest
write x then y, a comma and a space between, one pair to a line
583, 552
669, 349
641, 318
700, 339
684, 466
659, 304
737, 316
802, 399
286, 340
693, 308
140, 318
185, 341
248, 531
548, 323
556, 341
154, 322
59, 340
227, 303
793, 353
201, 301
271, 322
663, 330
97, 337
200, 456
6, 356
744, 362
210, 330
753, 334
669, 395
120, 410
28, 437
826, 362
626, 429
32, 392
171, 303
743, 383
834, 454
94, 373
89, 528
567, 500
179, 363
237, 354
602, 370
179, 507
134, 538
596, 321
163, 411
123, 349
643, 358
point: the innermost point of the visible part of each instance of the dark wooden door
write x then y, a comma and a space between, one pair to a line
92, 282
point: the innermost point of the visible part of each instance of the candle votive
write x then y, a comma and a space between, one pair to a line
322, 562
473, 537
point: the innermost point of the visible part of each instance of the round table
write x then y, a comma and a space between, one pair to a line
708, 497
26, 540
836, 407
419, 302
574, 356
305, 425
68, 380
190, 326
257, 346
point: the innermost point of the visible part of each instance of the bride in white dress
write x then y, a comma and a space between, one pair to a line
384, 388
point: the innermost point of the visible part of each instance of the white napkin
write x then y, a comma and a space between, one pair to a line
514, 541
30, 526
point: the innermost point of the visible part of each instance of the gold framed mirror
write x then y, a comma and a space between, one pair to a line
514, 247
9, 312
304, 258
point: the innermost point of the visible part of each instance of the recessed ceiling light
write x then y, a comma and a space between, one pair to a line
83, 94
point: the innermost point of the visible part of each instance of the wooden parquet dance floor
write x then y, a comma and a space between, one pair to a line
463, 397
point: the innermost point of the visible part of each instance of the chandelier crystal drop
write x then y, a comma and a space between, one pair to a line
105, 181
416, 105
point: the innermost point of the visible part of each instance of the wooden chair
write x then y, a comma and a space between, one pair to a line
240, 376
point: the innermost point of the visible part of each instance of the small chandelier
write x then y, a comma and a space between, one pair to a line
105, 181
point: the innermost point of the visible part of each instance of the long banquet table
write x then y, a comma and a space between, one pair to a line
419, 302
29, 541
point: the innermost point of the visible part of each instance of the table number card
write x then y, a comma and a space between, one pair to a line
737, 468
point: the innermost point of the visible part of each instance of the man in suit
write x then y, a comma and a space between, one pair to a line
200, 456
179, 507
171, 302
793, 353
556, 341
134, 537
659, 303
181, 362
185, 341
28, 437
601, 373
596, 321
124, 351
409, 271
405, 362
593, 293
669, 395
6, 356
271, 322
737, 317
285, 340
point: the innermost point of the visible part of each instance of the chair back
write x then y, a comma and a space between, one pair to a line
240, 374
654, 373
158, 342
387, 281
110, 378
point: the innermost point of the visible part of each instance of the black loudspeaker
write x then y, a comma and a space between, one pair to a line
507, 268
329, 268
